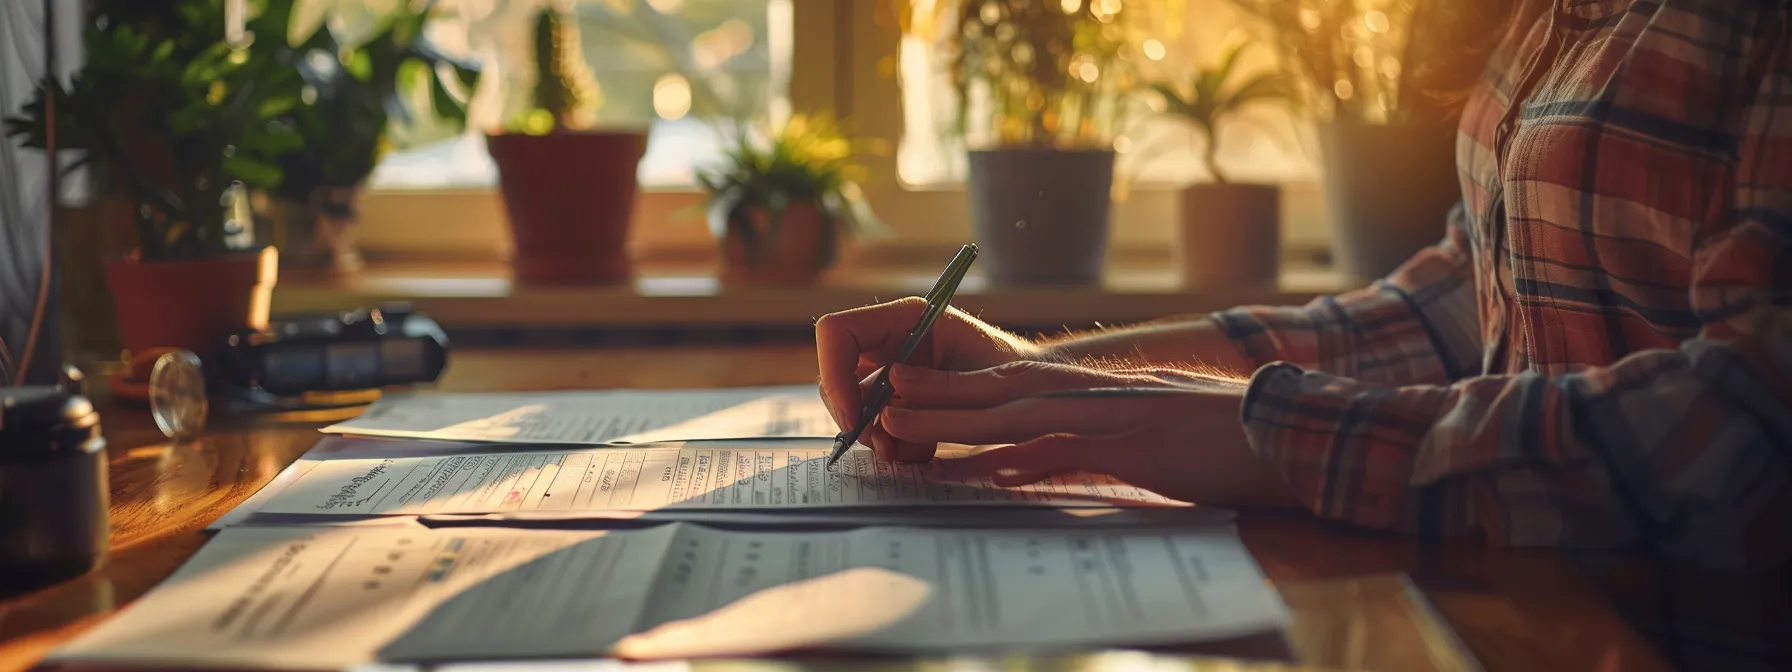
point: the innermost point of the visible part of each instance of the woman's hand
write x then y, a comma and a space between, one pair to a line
853, 345
1188, 446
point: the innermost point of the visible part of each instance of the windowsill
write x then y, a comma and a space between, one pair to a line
474, 296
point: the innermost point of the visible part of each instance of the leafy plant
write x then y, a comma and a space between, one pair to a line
1056, 74
351, 93
805, 160
177, 114
1210, 98
566, 94
1358, 59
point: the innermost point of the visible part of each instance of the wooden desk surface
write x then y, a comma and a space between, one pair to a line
1514, 610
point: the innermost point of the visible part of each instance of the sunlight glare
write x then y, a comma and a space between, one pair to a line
797, 615
671, 96
1153, 49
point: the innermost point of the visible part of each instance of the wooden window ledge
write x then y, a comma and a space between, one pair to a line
479, 298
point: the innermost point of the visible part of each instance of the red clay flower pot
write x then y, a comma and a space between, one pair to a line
192, 304
797, 256
570, 196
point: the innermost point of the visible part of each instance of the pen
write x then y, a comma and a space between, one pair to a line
938, 299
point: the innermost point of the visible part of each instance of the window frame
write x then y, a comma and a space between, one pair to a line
843, 60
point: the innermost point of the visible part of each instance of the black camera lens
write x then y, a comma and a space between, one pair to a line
53, 498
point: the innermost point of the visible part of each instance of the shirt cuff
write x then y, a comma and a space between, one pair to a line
1346, 449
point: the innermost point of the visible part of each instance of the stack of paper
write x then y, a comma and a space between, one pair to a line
606, 417
565, 524
335, 596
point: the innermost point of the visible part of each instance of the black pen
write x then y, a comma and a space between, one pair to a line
938, 299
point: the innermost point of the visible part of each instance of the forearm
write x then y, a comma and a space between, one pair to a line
1192, 344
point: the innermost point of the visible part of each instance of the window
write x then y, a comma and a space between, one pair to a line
666, 63
661, 64
1170, 40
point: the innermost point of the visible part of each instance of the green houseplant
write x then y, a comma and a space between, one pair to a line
351, 93
176, 116
1043, 88
780, 200
1387, 149
569, 191
1230, 231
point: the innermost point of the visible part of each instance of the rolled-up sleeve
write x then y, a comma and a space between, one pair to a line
1418, 325
1686, 450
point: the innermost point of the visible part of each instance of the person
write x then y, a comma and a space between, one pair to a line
1597, 355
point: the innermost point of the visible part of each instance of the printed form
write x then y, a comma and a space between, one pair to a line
724, 475
336, 597
599, 417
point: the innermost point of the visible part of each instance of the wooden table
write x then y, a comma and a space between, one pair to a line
1514, 610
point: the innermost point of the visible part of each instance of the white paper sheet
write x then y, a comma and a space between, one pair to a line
599, 417
731, 475
334, 597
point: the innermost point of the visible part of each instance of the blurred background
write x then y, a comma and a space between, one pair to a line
559, 171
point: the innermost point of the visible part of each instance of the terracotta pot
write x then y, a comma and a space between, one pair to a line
192, 304
1230, 234
570, 197
1040, 216
1388, 192
802, 249
323, 233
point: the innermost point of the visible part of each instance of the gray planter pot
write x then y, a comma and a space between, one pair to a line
1231, 235
1388, 192
1040, 216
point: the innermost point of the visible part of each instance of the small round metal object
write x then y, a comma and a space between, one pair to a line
177, 395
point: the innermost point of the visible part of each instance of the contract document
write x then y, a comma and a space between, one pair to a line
599, 417
763, 475
333, 597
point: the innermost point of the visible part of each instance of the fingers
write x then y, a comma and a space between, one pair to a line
930, 388
892, 449
1024, 463
841, 339
1016, 421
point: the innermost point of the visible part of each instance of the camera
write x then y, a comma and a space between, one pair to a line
53, 497
357, 350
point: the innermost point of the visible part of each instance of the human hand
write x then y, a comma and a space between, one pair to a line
853, 345
1188, 446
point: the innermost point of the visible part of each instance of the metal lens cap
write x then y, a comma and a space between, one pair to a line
177, 395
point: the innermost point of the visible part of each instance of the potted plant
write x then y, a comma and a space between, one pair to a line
1050, 84
1387, 152
175, 114
780, 200
1229, 230
351, 95
569, 191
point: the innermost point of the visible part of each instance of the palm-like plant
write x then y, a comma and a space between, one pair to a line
805, 160
1211, 97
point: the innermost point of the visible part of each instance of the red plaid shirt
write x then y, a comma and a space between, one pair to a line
1599, 353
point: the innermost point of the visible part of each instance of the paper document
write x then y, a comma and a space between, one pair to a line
334, 597
598, 417
732, 475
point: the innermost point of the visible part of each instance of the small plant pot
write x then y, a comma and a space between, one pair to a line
1388, 192
1040, 216
570, 197
320, 234
193, 304
1230, 234
802, 249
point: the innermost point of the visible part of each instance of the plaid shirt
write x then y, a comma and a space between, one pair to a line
1599, 353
